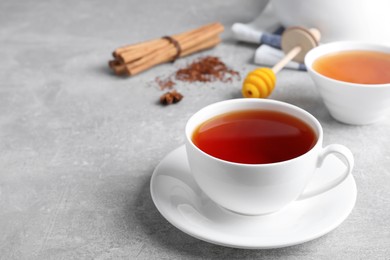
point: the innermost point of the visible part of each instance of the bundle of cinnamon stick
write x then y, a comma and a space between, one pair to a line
135, 58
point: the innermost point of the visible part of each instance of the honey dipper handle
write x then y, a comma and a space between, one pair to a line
286, 59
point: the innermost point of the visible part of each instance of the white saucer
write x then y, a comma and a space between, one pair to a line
184, 205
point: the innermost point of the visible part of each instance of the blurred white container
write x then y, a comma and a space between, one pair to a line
360, 20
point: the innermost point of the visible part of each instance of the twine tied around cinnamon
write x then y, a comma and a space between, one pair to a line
176, 44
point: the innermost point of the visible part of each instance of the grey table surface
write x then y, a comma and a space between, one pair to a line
78, 145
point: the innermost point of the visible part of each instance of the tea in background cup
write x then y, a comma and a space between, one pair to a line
255, 156
352, 79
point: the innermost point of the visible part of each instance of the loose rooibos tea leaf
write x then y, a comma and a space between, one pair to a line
206, 69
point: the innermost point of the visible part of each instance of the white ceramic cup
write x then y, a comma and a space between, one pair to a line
352, 20
350, 103
255, 189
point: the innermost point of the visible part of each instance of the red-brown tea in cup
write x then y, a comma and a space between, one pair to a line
362, 67
254, 137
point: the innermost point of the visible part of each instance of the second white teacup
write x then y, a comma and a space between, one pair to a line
255, 189
350, 103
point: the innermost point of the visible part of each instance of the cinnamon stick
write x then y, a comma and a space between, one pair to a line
193, 38
187, 44
118, 67
135, 58
126, 48
134, 69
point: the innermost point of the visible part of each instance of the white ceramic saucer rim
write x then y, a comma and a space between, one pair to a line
222, 242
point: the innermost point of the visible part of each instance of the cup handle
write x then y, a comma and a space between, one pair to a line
346, 154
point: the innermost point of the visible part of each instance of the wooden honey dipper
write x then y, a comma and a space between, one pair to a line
295, 42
